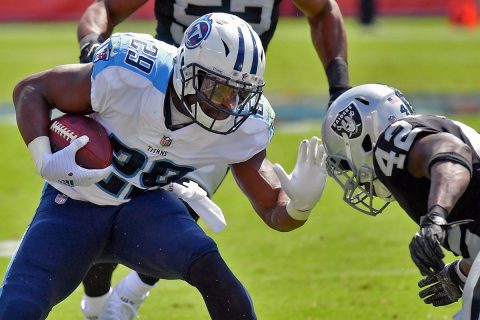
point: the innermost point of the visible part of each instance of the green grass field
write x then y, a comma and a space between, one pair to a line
341, 264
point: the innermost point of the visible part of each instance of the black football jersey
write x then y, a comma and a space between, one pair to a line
390, 163
174, 16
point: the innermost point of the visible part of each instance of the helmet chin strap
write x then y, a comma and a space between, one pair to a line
381, 191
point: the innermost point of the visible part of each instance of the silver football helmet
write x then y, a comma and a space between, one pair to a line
350, 130
218, 72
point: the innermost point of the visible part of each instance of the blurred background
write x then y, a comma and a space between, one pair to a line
427, 48
341, 264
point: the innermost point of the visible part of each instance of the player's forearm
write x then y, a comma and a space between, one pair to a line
330, 41
328, 34
95, 21
278, 217
283, 221
32, 110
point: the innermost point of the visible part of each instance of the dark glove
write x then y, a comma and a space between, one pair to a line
442, 288
88, 45
426, 246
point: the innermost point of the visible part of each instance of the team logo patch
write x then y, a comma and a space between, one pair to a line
348, 122
198, 32
166, 141
61, 199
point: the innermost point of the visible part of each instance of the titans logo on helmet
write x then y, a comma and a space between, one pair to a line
348, 121
198, 32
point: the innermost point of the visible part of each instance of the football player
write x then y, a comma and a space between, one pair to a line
204, 98
98, 22
376, 146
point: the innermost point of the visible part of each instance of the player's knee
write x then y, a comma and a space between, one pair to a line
19, 308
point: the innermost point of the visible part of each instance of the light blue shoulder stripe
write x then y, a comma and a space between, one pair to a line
144, 56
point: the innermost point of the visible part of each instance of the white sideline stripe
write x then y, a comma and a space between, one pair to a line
7, 118
8, 247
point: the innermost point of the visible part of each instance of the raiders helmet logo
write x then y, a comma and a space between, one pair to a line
348, 122
198, 32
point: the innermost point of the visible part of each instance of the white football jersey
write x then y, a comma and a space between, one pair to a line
130, 79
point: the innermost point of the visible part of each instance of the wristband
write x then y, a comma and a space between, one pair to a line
436, 215
438, 211
89, 38
337, 73
295, 214
38, 148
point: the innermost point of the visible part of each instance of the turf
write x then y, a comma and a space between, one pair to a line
418, 55
341, 264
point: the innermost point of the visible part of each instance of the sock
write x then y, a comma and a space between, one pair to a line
94, 304
134, 286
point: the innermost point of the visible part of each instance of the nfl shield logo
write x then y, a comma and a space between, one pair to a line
166, 141
61, 198
102, 52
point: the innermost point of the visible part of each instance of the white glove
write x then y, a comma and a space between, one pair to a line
61, 166
305, 184
197, 199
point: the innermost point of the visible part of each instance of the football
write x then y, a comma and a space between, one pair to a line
96, 154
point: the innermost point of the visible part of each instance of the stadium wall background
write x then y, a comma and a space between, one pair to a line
48, 10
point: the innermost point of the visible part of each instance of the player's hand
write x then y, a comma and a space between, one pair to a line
304, 186
61, 167
426, 246
442, 288
198, 200
88, 45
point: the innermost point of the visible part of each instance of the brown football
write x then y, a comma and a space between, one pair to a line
96, 154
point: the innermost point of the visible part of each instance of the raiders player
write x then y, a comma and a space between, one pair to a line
210, 107
173, 16
386, 148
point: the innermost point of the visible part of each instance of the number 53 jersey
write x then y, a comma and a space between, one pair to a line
130, 80
390, 162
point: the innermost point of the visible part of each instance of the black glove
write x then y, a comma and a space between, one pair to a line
442, 288
426, 246
88, 45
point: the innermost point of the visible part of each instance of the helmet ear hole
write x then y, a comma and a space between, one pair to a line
363, 100
227, 50
367, 144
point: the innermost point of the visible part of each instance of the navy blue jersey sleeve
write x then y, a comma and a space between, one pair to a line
391, 151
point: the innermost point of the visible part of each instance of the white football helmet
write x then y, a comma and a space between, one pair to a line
218, 72
350, 130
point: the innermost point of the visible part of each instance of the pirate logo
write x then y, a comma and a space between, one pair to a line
197, 32
348, 122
